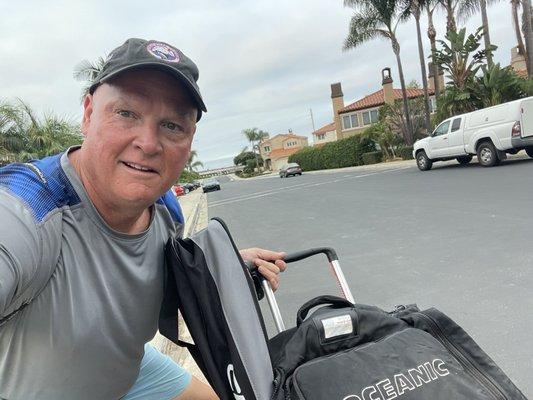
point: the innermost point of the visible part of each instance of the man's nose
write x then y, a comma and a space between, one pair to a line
147, 139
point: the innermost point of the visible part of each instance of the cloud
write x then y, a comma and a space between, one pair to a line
262, 63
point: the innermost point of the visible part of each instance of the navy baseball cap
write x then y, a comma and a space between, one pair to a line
140, 53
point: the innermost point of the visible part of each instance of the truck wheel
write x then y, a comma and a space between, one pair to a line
423, 162
529, 151
487, 154
464, 159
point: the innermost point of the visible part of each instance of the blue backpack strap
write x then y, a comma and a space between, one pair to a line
172, 205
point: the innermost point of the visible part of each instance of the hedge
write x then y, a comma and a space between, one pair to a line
373, 157
342, 153
406, 152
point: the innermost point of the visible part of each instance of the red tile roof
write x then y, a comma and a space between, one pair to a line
377, 99
279, 153
325, 128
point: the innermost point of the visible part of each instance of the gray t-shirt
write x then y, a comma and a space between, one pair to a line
82, 337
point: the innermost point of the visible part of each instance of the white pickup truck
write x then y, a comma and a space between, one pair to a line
489, 133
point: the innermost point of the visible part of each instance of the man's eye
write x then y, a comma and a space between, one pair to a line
125, 113
172, 126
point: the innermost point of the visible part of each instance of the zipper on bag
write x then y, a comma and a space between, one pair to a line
464, 359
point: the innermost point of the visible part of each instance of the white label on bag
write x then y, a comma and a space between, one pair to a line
337, 326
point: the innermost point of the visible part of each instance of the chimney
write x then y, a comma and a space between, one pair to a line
431, 78
337, 101
386, 82
518, 60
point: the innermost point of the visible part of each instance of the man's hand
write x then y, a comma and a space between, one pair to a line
268, 263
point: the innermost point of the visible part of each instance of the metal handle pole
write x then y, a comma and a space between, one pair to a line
339, 275
274, 308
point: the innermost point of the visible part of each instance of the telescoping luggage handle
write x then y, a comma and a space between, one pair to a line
300, 255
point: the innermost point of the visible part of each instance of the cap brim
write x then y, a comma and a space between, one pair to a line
167, 68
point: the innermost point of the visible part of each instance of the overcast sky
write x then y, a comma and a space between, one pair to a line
262, 63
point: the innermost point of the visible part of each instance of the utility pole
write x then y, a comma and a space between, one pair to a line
312, 119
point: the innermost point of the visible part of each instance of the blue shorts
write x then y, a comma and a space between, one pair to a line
160, 378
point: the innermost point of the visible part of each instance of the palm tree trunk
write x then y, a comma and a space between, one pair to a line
516, 22
528, 35
409, 127
450, 17
256, 156
486, 35
432, 34
423, 70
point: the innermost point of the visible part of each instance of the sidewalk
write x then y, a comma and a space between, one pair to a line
370, 167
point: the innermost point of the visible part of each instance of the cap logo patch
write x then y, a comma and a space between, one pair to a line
163, 52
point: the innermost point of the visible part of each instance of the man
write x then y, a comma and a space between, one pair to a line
82, 237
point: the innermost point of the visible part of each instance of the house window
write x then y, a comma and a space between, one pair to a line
321, 136
290, 144
370, 117
266, 148
350, 121
433, 104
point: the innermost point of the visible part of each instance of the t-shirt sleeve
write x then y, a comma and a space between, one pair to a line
20, 251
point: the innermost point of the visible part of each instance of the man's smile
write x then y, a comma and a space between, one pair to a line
139, 167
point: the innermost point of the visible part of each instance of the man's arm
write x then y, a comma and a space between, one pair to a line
19, 251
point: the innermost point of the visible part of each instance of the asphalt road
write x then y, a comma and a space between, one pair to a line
459, 238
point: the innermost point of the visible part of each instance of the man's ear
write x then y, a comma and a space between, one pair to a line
87, 112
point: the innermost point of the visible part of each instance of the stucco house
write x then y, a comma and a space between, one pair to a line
276, 150
354, 118
327, 133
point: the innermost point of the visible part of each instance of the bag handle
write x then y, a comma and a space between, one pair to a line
335, 301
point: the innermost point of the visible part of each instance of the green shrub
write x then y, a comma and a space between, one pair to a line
373, 157
342, 153
189, 176
406, 152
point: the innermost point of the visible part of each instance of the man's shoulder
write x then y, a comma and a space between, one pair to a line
41, 185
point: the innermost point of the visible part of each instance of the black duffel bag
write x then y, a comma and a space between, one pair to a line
358, 352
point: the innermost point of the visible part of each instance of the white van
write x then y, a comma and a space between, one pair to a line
489, 133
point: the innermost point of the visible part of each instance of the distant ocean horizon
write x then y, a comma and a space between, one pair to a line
217, 163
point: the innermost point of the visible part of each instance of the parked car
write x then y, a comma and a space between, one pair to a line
490, 133
178, 190
290, 169
190, 186
210, 184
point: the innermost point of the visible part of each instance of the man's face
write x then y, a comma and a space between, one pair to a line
138, 133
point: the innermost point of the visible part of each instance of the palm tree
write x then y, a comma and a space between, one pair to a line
450, 6
11, 136
432, 35
528, 34
88, 71
415, 7
515, 4
24, 136
255, 135
379, 18
191, 164
461, 58
466, 9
